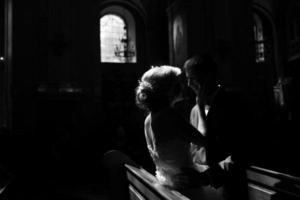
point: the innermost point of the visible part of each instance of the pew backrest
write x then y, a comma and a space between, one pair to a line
263, 184
144, 186
267, 184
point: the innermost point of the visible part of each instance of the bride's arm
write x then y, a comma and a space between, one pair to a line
187, 131
149, 135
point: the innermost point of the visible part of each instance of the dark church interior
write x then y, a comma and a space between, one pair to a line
69, 69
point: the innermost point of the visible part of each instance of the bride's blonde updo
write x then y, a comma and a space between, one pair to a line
158, 87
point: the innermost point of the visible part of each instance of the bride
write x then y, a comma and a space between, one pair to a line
171, 140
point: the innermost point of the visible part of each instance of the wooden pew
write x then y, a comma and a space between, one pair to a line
266, 184
263, 184
144, 186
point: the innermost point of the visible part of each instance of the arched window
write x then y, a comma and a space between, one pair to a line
259, 40
117, 36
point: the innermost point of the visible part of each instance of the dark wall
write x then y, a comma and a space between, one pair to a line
223, 29
56, 49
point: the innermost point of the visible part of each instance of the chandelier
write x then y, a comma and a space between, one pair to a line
123, 50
